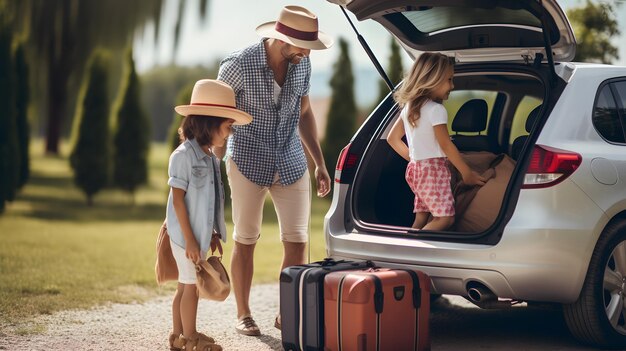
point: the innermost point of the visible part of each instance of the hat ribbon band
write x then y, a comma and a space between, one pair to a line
295, 33
215, 105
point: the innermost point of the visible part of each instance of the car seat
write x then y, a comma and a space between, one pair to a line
519, 142
471, 118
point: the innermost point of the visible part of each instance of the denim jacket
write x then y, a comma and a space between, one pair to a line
198, 174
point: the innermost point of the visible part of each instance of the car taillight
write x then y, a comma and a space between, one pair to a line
550, 166
345, 162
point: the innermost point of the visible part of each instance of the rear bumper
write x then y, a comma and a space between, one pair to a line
543, 254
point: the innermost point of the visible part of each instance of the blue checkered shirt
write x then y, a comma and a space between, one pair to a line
270, 143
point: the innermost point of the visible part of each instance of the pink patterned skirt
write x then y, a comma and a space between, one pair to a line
429, 180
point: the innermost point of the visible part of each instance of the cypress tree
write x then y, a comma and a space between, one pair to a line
173, 139
183, 98
342, 115
90, 157
22, 99
132, 134
9, 149
394, 70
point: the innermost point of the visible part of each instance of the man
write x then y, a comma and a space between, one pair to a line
271, 82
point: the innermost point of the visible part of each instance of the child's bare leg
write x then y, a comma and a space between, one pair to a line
189, 309
176, 319
439, 223
420, 220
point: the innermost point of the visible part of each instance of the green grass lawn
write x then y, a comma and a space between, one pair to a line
57, 253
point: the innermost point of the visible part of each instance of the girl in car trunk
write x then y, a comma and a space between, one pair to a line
423, 120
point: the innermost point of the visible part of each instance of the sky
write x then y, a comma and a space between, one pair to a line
231, 26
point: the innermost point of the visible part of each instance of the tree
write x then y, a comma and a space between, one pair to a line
90, 157
342, 115
9, 148
160, 87
183, 98
394, 70
173, 138
22, 99
131, 141
62, 34
594, 26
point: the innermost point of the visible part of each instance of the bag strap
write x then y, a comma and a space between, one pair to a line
216, 244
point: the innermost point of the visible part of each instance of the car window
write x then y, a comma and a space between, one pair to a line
433, 19
458, 97
524, 108
620, 89
605, 117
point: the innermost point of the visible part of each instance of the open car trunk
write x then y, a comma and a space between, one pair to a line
381, 200
507, 54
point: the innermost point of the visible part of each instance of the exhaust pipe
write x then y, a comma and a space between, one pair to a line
480, 293
483, 297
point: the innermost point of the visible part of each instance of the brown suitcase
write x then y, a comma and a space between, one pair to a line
377, 309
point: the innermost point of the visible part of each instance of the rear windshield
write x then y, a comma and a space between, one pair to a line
428, 20
441, 28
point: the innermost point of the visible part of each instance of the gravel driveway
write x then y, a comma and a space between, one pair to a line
455, 325
146, 326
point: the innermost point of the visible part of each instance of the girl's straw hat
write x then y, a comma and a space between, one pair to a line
215, 98
296, 26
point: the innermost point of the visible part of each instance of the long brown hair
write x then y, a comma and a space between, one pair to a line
201, 128
427, 73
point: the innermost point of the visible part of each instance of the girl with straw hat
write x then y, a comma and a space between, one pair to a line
195, 206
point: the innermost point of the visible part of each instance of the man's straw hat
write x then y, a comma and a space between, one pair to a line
296, 26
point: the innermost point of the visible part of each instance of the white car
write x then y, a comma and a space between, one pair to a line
558, 232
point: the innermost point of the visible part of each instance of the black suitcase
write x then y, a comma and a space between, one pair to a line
302, 302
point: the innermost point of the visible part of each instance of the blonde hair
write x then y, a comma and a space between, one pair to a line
427, 73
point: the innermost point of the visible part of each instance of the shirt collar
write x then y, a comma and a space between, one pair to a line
263, 54
200, 154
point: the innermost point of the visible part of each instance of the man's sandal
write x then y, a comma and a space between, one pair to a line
277, 323
247, 326
199, 342
177, 344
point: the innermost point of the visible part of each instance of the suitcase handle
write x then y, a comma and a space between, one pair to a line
417, 292
329, 261
379, 296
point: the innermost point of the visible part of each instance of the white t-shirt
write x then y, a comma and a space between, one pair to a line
421, 138
276, 93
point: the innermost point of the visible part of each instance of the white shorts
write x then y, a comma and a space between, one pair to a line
291, 202
186, 268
